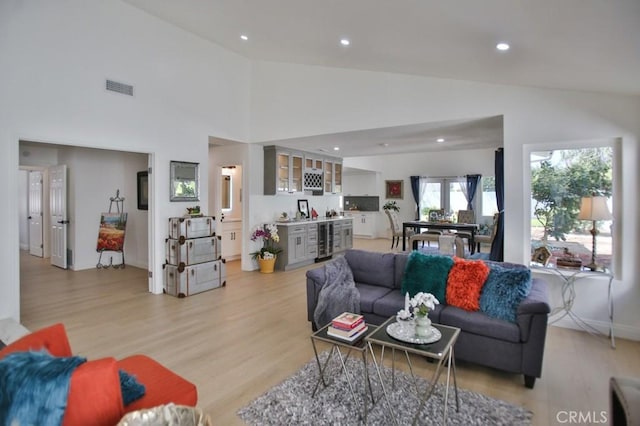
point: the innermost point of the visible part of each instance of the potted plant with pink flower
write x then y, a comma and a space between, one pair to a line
266, 256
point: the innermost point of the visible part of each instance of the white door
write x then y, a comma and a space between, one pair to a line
35, 213
58, 200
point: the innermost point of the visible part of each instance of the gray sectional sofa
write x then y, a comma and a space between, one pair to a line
512, 347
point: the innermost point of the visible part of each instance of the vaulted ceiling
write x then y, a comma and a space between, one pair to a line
591, 45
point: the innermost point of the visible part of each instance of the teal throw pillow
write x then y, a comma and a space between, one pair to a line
132, 390
503, 291
426, 273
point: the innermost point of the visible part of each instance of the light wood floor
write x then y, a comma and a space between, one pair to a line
236, 342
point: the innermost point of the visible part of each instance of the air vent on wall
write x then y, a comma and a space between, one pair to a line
114, 86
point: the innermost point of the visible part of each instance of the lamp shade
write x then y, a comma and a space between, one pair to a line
594, 208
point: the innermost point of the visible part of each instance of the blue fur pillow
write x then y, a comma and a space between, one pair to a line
132, 389
34, 387
503, 291
426, 273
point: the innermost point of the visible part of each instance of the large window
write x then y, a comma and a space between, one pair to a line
442, 193
447, 193
488, 199
560, 180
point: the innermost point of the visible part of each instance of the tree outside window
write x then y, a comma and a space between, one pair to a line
559, 180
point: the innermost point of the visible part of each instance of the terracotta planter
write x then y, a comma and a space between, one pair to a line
267, 265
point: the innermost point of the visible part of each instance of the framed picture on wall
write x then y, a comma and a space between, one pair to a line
184, 181
394, 188
143, 191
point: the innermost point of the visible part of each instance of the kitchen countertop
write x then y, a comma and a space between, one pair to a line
319, 219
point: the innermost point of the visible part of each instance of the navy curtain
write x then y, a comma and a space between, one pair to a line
472, 186
415, 190
497, 246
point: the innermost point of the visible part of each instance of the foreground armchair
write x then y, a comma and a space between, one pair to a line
97, 393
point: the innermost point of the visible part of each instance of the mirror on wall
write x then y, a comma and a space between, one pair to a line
226, 192
184, 181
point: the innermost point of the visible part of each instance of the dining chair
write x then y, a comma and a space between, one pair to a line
466, 216
396, 228
429, 235
488, 239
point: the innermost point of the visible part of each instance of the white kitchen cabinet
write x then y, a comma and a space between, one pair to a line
312, 241
347, 234
364, 223
231, 239
342, 235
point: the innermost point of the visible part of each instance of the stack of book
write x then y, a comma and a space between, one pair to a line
347, 326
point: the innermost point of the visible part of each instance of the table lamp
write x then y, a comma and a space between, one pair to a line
594, 208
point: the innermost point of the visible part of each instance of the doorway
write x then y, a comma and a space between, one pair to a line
94, 176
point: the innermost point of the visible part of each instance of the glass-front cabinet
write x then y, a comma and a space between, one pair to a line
337, 177
328, 177
295, 160
332, 176
282, 171
313, 163
287, 171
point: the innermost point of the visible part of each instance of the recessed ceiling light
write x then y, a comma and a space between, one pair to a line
440, 140
336, 148
244, 37
345, 42
502, 46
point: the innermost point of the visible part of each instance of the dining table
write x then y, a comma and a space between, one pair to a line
471, 228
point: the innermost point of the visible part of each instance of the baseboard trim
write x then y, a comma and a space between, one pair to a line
621, 331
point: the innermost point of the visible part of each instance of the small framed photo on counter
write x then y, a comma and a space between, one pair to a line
303, 207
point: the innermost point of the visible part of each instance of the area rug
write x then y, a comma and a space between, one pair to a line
291, 403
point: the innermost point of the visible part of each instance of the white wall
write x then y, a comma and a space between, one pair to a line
52, 90
350, 100
94, 177
361, 183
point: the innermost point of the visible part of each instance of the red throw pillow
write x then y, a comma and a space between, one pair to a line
465, 282
95, 397
52, 338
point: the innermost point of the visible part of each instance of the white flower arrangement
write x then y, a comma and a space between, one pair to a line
418, 305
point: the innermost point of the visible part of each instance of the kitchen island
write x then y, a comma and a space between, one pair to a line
304, 242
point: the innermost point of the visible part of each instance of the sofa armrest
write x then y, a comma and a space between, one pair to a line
315, 281
537, 302
52, 338
536, 305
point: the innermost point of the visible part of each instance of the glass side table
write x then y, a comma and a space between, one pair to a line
569, 276
441, 352
359, 346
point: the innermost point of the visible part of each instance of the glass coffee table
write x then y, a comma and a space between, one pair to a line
441, 351
359, 346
